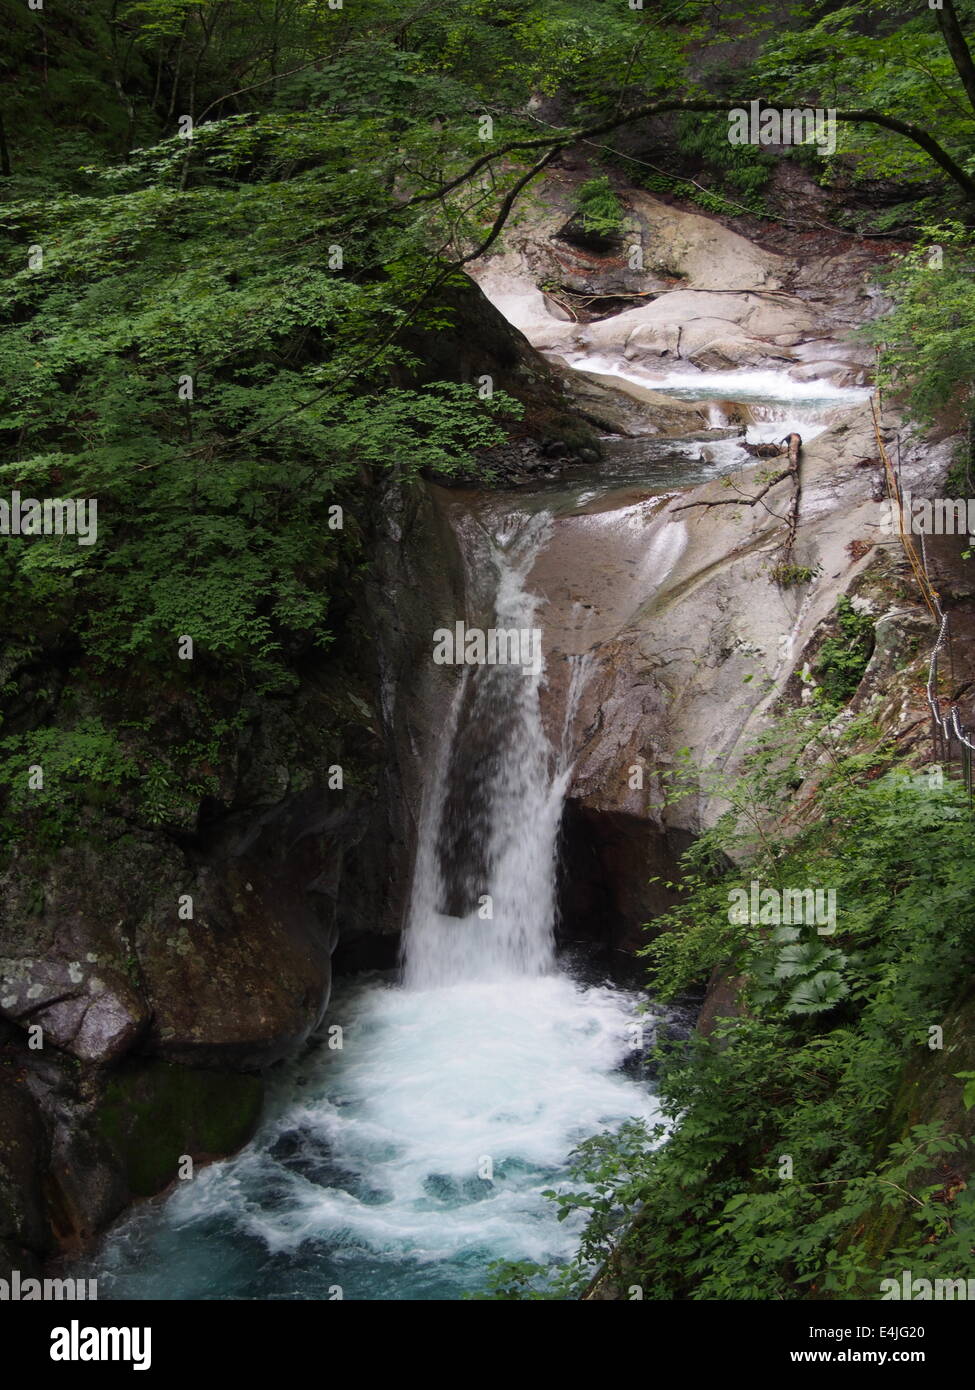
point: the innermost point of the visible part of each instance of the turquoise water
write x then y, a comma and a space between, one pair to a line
369, 1180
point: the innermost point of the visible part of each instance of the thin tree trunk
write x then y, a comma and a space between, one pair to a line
158, 83
957, 46
177, 72
5, 169
795, 444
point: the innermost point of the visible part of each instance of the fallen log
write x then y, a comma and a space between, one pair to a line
763, 451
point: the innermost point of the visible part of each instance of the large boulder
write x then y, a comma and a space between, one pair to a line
243, 983
66, 958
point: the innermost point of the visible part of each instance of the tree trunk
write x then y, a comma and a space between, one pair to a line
5, 169
957, 46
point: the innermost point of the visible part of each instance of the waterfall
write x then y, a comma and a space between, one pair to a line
484, 894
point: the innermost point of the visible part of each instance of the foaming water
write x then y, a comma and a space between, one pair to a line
730, 385
402, 1164
777, 403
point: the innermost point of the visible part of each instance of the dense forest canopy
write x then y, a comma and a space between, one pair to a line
220, 219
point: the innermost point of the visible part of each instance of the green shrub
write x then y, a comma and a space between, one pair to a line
598, 208
843, 659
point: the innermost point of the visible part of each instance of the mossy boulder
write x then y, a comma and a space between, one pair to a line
153, 1114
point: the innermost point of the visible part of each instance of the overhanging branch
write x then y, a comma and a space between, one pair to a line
563, 139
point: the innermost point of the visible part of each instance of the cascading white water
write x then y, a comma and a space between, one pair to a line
506, 841
777, 402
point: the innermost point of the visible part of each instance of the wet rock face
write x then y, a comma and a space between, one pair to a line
607, 861
76, 1146
101, 954
690, 644
240, 985
626, 408
24, 1229
66, 963
416, 584
463, 841
101, 968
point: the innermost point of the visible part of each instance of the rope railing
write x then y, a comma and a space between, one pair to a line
946, 727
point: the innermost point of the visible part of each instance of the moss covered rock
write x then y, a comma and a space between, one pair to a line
152, 1114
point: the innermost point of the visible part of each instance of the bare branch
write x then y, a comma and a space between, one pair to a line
563, 139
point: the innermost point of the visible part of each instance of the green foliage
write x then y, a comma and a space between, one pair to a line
968, 1098
85, 764
515, 1281
871, 55
710, 199
803, 976
959, 482
842, 660
207, 347
927, 341
704, 1206
788, 575
744, 168
598, 209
